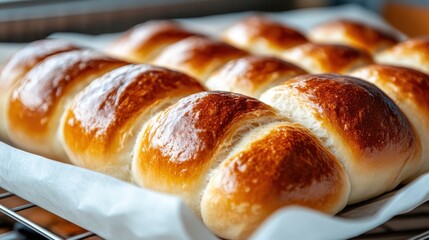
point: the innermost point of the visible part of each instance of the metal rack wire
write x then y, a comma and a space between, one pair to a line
413, 225
44, 233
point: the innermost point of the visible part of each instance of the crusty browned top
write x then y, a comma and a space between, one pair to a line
407, 84
176, 148
110, 102
146, 37
199, 53
26, 58
359, 34
253, 71
419, 46
286, 166
276, 34
333, 58
362, 114
35, 98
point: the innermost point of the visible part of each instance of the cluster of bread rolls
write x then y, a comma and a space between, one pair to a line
316, 140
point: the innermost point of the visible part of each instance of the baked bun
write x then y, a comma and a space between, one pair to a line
409, 89
100, 128
261, 35
20, 63
364, 129
37, 102
327, 58
144, 42
352, 33
197, 56
252, 75
235, 161
413, 53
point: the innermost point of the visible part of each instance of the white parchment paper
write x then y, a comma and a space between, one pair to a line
117, 210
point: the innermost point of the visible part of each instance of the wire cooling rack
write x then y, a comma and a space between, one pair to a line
20, 219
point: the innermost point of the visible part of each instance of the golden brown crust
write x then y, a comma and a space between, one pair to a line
143, 41
28, 57
349, 104
419, 46
287, 166
408, 84
198, 56
359, 123
35, 98
101, 115
253, 74
414, 45
412, 53
410, 90
276, 35
176, 149
328, 58
353, 33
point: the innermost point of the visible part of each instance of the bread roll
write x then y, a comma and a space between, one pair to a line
364, 129
100, 128
352, 33
252, 75
144, 42
234, 160
261, 35
409, 89
413, 53
37, 102
327, 58
20, 63
197, 56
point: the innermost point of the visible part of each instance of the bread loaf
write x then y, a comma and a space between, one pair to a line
22, 62
327, 140
234, 160
144, 42
220, 66
409, 89
252, 75
100, 129
413, 53
197, 56
327, 58
361, 126
261, 35
37, 102
353, 33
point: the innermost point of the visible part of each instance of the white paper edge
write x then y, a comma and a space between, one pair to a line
283, 224
106, 206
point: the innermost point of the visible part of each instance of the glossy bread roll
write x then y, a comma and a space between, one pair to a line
144, 42
327, 58
197, 56
413, 53
100, 127
252, 75
20, 63
364, 129
409, 89
234, 160
37, 102
261, 35
353, 33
